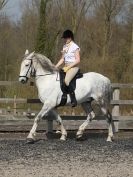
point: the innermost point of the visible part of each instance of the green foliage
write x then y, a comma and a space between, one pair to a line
46, 37
42, 30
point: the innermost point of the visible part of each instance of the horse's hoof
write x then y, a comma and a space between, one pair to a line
58, 132
80, 138
109, 140
63, 138
30, 141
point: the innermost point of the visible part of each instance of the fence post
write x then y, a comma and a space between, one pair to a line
15, 105
116, 108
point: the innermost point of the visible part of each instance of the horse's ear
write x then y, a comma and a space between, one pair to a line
27, 52
31, 55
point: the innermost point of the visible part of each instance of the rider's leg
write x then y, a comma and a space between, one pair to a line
69, 76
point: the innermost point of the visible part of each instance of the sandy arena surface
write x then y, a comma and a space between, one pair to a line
93, 157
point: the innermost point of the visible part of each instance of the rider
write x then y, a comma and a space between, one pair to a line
71, 58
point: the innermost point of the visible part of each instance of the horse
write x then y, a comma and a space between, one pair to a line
92, 86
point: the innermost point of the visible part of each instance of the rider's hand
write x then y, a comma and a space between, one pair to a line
66, 68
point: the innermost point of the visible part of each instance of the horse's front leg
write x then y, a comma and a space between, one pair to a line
45, 109
61, 126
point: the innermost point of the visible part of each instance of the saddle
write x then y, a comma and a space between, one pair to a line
65, 89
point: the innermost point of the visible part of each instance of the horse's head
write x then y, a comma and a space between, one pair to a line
26, 67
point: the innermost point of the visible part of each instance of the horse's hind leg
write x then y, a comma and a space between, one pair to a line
105, 111
111, 126
90, 115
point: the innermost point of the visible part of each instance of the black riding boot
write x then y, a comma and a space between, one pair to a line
73, 99
72, 96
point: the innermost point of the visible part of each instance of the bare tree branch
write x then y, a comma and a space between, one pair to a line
3, 3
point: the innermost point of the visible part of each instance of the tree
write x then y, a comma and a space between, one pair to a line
42, 30
28, 25
109, 9
131, 24
73, 11
3, 3
47, 33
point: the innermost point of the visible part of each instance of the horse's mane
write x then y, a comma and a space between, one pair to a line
46, 64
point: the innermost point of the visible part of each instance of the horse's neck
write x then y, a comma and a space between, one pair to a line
39, 70
45, 81
44, 78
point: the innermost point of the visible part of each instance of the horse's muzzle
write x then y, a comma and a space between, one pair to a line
23, 80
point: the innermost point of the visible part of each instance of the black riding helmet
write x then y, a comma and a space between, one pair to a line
68, 34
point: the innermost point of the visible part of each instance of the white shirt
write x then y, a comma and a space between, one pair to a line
69, 52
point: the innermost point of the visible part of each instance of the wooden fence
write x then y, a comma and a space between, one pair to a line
121, 122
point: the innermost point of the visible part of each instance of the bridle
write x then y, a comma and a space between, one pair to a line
33, 72
28, 70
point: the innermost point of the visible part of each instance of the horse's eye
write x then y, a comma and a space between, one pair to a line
27, 65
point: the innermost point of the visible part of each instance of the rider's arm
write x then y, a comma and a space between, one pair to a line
60, 62
77, 59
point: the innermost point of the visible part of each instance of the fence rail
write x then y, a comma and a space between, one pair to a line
125, 122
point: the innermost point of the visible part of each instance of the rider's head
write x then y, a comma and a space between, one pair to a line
68, 36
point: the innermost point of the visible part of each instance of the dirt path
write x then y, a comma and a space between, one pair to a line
93, 157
